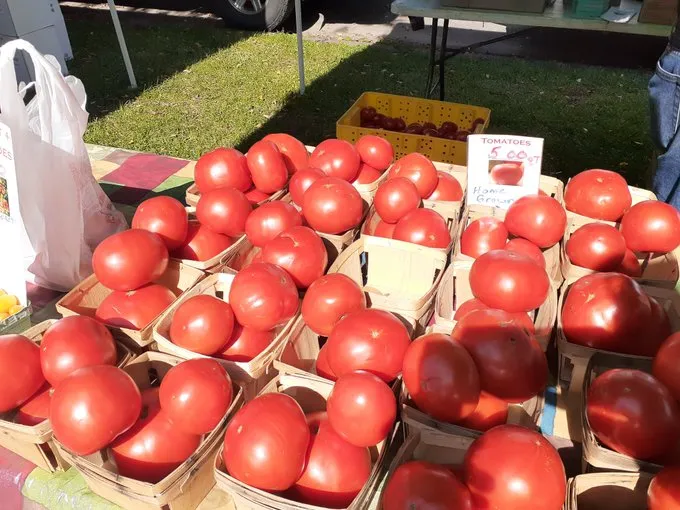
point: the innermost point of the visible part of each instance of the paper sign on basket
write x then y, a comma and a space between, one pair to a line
12, 276
502, 168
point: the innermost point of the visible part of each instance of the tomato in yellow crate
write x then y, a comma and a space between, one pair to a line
164, 216
266, 443
301, 181
540, 219
202, 324
375, 151
522, 318
224, 211
328, 300
482, 235
396, 198
20, 373
336, 158
222, 168
598, 194
294, 152
490, 412
448, 189
424, 227
332, 206
127, 260
506, 174
419, 170
202, 244
134, 309
666, 367
301, 252
651, 226
93, 406
664, 491
269, 220
267, 167
526, 247
245, 344
630, 265
367, 174
596, 246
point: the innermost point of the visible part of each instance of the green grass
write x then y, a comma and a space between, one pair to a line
204, 86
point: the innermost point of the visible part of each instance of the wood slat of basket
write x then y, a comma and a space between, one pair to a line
620, 491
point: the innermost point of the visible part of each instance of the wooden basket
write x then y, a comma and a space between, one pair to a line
252, 375
186, 486
35, 443
637, 194
620, 491
89, 294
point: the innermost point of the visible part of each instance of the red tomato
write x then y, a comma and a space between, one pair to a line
20, 373
607, 311
651, 226
294, 152
396, 198
222, 168
526, 247
332, 206
328, 300
202, 324
164, 216
384, 229
414, 128
596, 246
508, 174
666, 367
489, 413
449, 127
538, 218
267, 167
632, 413
72, 343
202, 244
429, 125
367, 174
599, 194
419, 170
630, 265
522, 318
659, 328
509, 281
361, 408
336, 158
301, 252
301, 181
127, 260
441, 377
263, 296
510, 361
269, 220
448, 189
36, 409
664, 491
419, 484
375, 151
368, 113
482, 235
424, 227
371, 340
266, 443
246, 343
255, 196
514, 468
134, 309
196, 395
335, 470
224, 211
322, 367
92, 407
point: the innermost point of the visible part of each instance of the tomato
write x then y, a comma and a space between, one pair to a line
134, 309
332, 206
462, 136
255, 196
202, 324
301, 181
424, 227
367, 113
267, 167
222, 168
92, 407
514, 468
507, 174
526, 247
384, 229
448, 189
422, 485
164, 216
266, 442
419, 170
36, 409
664, 491
301, 252
607, 311
328, 300
429, 125
269, 220
482, 235
224, 211
396, 198
598, 194
202, 244
72, 343
441, 377
538, 218
375, 151
509, 281
630, 265
510, 361
666, 367
522, 318
127, 260
414, 128
489, 413
20, 373
651, 226
263, 296
336, 158
196, 395
322, 367
367, 174
371, 340
361, 408
596, 246
632, 413
335, 471
659, 328
294, 152
245, 344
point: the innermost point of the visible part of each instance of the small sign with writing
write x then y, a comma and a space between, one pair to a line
502, 168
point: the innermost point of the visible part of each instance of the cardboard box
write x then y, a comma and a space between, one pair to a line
19, 17
659, 12
620, 491
46, 42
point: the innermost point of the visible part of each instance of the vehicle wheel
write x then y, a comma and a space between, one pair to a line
254, 14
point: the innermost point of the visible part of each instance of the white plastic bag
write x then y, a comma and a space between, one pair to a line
63, 210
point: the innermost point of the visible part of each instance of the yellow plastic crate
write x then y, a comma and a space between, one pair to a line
413, 109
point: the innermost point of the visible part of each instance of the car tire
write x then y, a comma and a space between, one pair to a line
271, 18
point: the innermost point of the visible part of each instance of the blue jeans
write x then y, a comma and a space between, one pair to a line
664, 95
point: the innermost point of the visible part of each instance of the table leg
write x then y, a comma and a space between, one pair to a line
442, 58
431, 64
